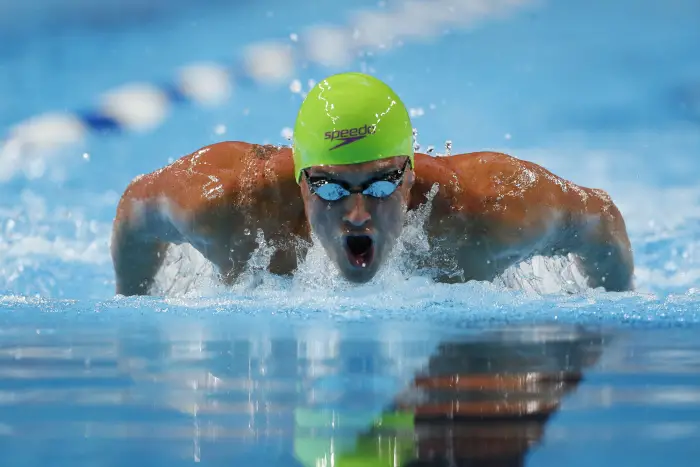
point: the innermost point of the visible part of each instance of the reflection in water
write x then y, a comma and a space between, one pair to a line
174, 391
479, 402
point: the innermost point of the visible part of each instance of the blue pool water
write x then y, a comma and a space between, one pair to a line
295, 372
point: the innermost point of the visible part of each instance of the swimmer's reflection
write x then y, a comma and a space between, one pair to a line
478, 403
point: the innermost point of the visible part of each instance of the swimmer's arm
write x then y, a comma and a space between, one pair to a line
591, 228
560, 218
141, 233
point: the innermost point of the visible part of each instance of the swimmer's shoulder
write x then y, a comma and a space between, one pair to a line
444, 173
499, 181
215, 173
476, 180
464, 162
487, 168
473, 168
234, 158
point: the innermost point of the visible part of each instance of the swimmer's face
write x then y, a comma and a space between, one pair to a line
357, 211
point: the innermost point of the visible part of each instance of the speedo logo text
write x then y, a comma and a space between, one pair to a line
350, 135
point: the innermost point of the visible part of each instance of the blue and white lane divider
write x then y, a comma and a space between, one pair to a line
142, 106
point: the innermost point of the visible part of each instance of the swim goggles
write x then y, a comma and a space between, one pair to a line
383, 187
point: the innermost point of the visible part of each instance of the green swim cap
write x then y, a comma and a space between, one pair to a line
387, 440
350, 118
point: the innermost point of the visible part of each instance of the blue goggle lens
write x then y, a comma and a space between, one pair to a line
333, 192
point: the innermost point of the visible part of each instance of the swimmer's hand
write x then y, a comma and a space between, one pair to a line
602, 245
139, 240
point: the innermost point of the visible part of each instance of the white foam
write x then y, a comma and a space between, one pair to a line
185, 271
43, 247
28, 233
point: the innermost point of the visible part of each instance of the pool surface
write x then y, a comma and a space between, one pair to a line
533, 369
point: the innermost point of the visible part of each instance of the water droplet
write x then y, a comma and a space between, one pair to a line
448, 147
86, 156
430, 149
295, 86
416, 144
287, 133
364, 265
416, 112
293, 37
246, 232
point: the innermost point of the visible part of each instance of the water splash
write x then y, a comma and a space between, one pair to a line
186, 273
258, 263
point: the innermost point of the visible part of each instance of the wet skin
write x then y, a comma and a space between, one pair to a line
490, 211
358, 231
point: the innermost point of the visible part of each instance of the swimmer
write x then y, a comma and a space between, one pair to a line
350, 178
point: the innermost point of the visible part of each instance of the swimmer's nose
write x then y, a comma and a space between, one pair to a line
357, 214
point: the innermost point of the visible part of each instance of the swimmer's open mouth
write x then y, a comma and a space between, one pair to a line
360, 250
